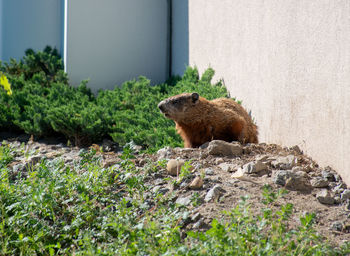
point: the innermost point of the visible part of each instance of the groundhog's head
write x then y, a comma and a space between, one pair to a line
178, 107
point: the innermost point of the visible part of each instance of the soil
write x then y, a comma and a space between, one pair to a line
234, 179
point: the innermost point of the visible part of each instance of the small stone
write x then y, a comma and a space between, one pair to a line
223, 148
195, 217
254, 167
164, 153
214, 193
281, 176
298, 182
228, 167
163, 191
262, 158
319, 182
219, 161
238, 174
209, 171
183, 200
159, 181
198, 224
325, 197
196, 183
337, 226
174, 166
345, 195
328, 175
284, 162
155, 189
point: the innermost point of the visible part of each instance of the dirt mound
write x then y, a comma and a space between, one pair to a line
213, 178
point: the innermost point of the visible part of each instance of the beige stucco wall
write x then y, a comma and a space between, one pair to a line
289, 61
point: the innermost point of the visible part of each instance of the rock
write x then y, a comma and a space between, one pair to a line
238, 174
328, 175
195, 217
198, 224
214, 193
256, 167
298, 182
183, 200
284, 162
281, 176
219, 161
165, 153
345, 195
262, 158
319, 182
159, 181
325, 197
228, 167
160, 190
223, 148
196, 183
174, 166
209, 171
337, 226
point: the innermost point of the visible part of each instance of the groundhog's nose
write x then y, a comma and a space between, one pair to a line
161, 106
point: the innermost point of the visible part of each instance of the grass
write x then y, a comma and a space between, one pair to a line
84, 209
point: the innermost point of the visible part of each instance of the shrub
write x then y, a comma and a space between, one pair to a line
43, 103
43, 67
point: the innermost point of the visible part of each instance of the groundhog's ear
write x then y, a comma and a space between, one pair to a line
195, 97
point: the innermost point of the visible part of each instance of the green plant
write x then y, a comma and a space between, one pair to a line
43, 67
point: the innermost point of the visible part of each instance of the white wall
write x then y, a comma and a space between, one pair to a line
289, 61
29, 24
111, 41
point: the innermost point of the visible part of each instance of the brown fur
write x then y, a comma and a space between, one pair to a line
199, 120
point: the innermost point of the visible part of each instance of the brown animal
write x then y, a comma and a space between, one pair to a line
199, 120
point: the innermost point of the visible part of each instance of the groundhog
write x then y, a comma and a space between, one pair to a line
199, 120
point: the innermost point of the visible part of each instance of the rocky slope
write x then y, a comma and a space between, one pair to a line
213, 178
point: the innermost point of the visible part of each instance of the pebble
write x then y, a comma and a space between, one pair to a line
281, 176
214, 193
327, 175
228, 167
325, 197
319, 182
337, 226
183, 200
196, 183
165, 153
345, 195
174, 166
298, 182
256, 167
209, 171
284, 162
223, 148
